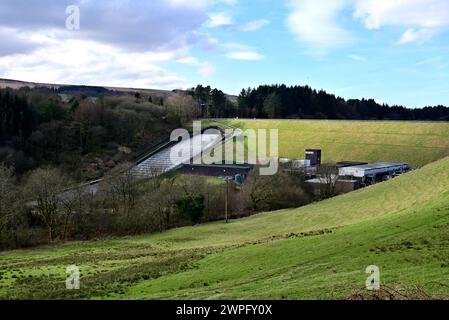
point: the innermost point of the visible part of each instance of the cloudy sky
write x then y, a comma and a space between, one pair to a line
395, 51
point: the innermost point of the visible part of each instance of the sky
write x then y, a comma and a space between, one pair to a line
394, 51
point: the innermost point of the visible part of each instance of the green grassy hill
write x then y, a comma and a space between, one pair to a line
317, 251
417, 143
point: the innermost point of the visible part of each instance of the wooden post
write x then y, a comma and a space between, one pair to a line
226, 200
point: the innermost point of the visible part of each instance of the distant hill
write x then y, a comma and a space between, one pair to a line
82, 89
91, 90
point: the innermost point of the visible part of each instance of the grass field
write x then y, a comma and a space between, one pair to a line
417, 143
317, 251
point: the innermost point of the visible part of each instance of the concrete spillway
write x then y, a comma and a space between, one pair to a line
168, 158
171, 157
163, 161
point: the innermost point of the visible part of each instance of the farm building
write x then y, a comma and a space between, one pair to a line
374, 171
313, 156
349, 164
348, 175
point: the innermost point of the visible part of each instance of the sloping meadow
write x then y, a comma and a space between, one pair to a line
317, 251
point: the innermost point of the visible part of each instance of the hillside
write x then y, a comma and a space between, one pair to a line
82, 89
417, 143
90, 90
317, 251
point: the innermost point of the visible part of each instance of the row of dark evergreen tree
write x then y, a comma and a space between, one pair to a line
281, 101
213, 102
16, 116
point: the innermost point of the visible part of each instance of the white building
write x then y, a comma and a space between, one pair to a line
374, 169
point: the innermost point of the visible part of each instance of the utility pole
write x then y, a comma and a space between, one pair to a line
226, 199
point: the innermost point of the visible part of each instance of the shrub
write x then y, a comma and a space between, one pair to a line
191, 206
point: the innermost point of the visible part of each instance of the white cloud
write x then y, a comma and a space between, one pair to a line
206, 70
413, 13
226, 21
316, 23
356, 57
202, 3
434, 60
235, 46
190, 3
253, 25
120, 43
229, 2
133, 25
238, 51
218, 19
188, 60
19, 43
207, 42
245, 55
203, 68
418, 36
90, 63
422, 18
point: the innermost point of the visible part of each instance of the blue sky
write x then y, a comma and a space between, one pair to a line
394, 51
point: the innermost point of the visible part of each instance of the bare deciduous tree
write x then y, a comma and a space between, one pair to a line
77, 202
122, 187
45, 189
181, 107
328, 177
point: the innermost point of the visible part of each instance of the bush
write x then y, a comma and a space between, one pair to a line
267, 193
16, 229
191, 206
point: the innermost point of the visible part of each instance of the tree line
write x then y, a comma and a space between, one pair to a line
212, 103
47, 206
303, 102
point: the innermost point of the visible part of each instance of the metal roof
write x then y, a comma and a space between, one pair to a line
379, 165
373, 169
350, 163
